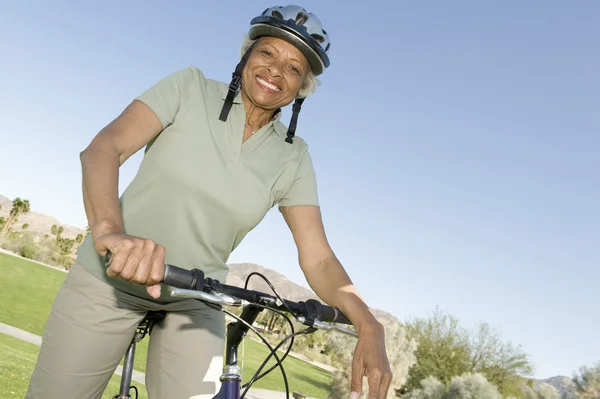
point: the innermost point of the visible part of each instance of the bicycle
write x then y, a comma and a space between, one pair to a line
183, 283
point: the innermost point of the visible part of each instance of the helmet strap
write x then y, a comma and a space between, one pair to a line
234, 86
292, 128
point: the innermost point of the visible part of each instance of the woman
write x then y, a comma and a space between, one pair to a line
217, 159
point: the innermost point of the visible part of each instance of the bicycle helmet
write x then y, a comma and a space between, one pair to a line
297, 26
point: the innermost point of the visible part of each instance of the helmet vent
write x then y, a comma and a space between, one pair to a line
277, 14
301, 18
318, 37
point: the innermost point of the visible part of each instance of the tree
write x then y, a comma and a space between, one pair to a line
446, 350
465, 386
63, 245
19, 207
79, 238
502, 363
542, 391
472, 386
429, 388
442, 352
56, 231
587, 382
25, 226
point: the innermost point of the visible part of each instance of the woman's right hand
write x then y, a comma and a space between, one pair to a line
134, 259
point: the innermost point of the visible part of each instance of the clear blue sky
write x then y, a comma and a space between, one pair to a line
456, 144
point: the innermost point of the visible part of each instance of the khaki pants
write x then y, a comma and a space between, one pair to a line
90, 327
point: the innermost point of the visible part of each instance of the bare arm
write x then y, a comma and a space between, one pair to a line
101, 160
322, 269
330, 282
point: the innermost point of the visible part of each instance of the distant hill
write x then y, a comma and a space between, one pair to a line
39, 224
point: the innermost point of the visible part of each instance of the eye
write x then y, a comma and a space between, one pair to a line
295, 70
267, 53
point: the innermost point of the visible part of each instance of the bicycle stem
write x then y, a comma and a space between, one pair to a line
237, 331
231, 378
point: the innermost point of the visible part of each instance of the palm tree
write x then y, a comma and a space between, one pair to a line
19, 207
57, 231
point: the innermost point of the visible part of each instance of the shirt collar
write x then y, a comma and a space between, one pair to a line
278, 126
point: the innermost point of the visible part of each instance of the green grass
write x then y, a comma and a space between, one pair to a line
17, 360
26, 298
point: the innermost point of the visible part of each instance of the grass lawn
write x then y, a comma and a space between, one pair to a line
26, 298
17, 360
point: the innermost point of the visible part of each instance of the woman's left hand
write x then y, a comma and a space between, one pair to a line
370, 359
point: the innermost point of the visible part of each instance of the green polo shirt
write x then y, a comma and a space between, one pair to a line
199, 190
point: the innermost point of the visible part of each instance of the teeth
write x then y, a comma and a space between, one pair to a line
269, 85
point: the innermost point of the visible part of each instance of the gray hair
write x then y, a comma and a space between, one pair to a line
310, 83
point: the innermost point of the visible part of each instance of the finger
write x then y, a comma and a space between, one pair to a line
358, 371
142, 271
374, 381
120, 251
132, 263
385, 384
157, 271
153, 290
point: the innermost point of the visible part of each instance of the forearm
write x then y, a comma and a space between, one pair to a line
100, 173
331, 283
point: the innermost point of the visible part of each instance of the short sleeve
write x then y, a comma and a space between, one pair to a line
303, 190
168, 95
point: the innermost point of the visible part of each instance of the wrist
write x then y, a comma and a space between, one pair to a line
368, 323
361, 317
373, 326
104, 227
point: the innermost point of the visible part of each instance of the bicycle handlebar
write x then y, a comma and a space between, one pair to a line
192, 283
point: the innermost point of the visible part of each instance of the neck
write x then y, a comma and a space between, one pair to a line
256, 117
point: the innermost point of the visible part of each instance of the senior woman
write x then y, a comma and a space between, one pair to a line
217, 158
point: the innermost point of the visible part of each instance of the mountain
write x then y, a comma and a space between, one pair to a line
39, 224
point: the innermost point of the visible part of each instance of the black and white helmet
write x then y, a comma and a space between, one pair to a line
297, 26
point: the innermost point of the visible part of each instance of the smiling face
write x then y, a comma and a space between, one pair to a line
274, 73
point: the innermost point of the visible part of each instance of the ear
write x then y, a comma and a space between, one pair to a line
303, 87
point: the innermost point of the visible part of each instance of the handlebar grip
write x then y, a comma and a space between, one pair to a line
175, 276
108, 258
313, 308
329, 314
182, 278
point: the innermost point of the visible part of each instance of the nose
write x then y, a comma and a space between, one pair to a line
275, 68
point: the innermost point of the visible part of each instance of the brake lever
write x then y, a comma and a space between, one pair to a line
324, 326
217, 299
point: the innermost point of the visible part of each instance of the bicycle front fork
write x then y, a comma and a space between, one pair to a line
230, 383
